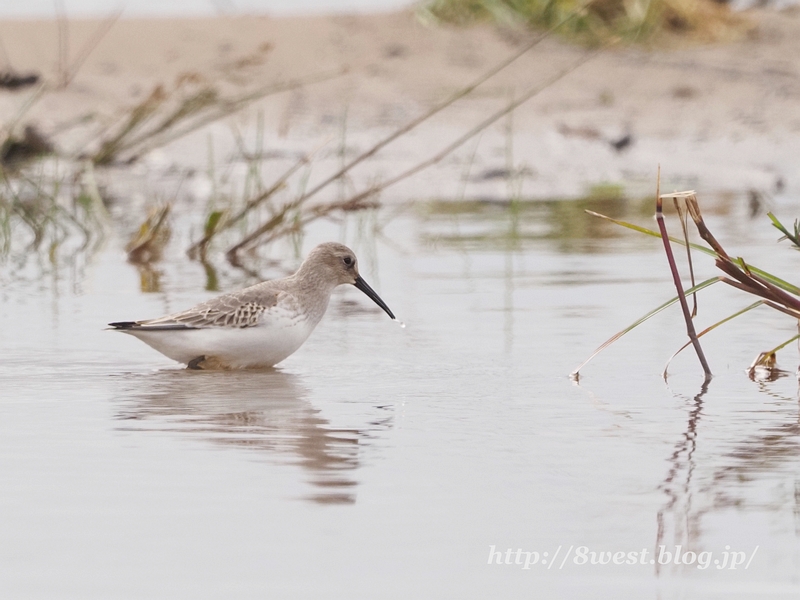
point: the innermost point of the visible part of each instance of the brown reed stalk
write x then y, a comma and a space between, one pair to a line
278, 218
676, 278
266, 227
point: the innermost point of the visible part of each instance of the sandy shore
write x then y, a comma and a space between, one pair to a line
717, 118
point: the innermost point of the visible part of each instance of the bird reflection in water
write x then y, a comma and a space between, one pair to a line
266, 411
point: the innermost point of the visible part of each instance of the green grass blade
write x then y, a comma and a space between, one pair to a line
784, 344
653, 233
778, 225
711, 328
777, 281
652, 313
792, 237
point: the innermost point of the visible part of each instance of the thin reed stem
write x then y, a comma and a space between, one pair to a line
676, 278
276, 220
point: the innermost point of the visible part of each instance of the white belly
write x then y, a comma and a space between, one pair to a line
263, 345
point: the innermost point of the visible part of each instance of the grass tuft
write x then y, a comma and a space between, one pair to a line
599, 21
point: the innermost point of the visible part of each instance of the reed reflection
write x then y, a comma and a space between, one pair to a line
678, 486
705, 478
772, 453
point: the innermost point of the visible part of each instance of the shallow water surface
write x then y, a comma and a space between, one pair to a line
382, 462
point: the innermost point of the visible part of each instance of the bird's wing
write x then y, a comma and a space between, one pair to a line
238, 309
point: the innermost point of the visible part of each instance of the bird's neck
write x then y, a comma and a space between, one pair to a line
314, 291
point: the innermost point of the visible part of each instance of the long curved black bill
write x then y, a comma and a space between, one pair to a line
364, 287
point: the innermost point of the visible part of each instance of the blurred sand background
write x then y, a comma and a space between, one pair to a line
719, 118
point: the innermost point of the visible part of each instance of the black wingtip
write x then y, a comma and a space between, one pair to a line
123, 325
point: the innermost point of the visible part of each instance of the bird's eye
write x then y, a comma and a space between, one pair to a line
348, 260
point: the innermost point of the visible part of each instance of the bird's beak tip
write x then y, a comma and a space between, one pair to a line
364, 287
